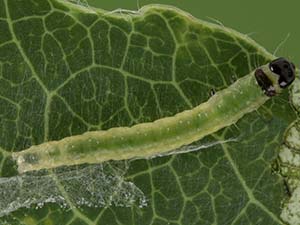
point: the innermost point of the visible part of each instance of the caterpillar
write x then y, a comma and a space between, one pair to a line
163, 135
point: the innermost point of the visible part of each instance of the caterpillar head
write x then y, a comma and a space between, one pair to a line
275, 76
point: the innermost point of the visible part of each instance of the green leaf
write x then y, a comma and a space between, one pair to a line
66, 69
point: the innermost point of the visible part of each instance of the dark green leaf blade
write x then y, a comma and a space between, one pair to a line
66, 69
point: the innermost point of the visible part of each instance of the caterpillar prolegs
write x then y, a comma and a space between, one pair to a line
163, 135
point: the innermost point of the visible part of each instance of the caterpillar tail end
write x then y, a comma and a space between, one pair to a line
22, 167
33, 158
26, 161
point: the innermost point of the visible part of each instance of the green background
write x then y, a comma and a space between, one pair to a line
267, 22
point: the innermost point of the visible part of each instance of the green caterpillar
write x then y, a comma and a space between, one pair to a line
163, 135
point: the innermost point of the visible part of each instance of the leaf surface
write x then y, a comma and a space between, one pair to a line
66, 69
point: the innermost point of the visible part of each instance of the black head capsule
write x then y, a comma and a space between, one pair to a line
275, 76
285, 70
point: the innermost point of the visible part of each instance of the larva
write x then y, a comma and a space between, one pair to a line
146, 139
